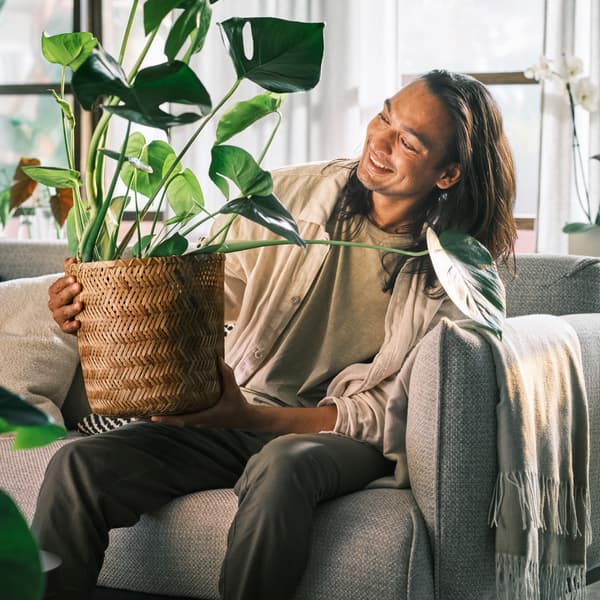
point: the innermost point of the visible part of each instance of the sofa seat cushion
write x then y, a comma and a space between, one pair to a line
370, 544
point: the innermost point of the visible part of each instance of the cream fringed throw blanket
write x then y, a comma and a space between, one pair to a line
540, 507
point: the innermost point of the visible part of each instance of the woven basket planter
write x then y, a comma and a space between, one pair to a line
151, 330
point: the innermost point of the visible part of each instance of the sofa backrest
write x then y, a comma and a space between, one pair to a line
28, 258
552, 284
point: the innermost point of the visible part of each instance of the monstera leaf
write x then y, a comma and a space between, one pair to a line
286, 55
268, 212
467, 273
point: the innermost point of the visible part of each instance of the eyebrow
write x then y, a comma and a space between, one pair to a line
419, 136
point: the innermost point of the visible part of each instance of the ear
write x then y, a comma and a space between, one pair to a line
449, 176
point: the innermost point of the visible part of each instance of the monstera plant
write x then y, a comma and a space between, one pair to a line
285, 57
20, 568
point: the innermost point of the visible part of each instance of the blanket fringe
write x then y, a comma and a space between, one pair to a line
546, 503
516, 577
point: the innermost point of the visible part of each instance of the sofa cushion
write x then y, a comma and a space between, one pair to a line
38, 359
370, 544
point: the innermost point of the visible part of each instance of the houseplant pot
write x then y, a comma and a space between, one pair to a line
151, 329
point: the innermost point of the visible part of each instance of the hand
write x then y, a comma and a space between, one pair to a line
231, 411
61, 294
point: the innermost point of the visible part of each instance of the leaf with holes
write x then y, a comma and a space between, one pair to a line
286, 55
268, 212
469, 276
185, 196
23, 185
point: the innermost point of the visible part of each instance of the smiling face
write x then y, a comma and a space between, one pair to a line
405, 154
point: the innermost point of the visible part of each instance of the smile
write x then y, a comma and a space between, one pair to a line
378, 164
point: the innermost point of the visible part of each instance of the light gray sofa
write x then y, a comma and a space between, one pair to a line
430, 541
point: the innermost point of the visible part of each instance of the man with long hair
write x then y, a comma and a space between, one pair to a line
317, 347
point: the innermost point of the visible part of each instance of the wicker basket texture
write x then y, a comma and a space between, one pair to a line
151, 330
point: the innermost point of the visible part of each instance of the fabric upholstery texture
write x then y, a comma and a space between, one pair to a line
38, 359
178, 550
555, 285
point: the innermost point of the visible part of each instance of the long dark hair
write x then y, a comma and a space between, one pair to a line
481, 203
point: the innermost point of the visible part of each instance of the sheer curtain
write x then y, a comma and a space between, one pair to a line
572, 28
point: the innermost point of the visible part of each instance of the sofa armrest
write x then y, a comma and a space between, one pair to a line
451, 450
451, 456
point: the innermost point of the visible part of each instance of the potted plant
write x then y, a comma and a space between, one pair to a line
584, 236
20, 564
153, 361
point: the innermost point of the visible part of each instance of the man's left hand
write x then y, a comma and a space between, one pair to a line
231, 411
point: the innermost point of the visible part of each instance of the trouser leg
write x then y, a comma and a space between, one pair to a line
98, 483
268, 542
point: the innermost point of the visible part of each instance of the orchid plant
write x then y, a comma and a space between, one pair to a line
580, 91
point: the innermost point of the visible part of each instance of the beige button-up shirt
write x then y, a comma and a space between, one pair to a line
265, 286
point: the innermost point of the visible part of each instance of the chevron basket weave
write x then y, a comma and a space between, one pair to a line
151, 330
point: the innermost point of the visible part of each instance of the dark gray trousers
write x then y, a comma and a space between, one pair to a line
109, 480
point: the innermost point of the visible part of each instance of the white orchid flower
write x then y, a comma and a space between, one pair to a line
585, 93
573, 67
540, 71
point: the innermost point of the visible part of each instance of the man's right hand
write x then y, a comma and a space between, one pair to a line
61, 294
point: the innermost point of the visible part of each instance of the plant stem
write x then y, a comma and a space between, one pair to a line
127, 31
237, 246
270, 140
177, 161
578, 166
89, 242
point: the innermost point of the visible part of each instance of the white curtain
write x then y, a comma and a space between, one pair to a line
572, 28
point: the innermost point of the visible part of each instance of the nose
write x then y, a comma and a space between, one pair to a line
382, 140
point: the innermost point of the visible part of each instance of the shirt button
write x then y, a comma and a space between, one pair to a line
295, 299
259, 354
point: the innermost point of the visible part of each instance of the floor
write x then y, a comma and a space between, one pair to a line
593, 591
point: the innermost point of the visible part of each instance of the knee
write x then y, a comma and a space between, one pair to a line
285, 465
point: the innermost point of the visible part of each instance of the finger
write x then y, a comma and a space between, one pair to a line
71, 326
67, 262
63, 296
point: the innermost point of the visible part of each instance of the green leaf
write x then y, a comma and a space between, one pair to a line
54, 177
15, 410
193, 22
185, 195
34, 437
268, 212
99, 75
172, 82
65, 107
243, 114
20, 568
4, 206
468, 274
287, 55
239, 166
139, 247
578, 227
157, 118
68, 49
158, 155
173, 246
155, 11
